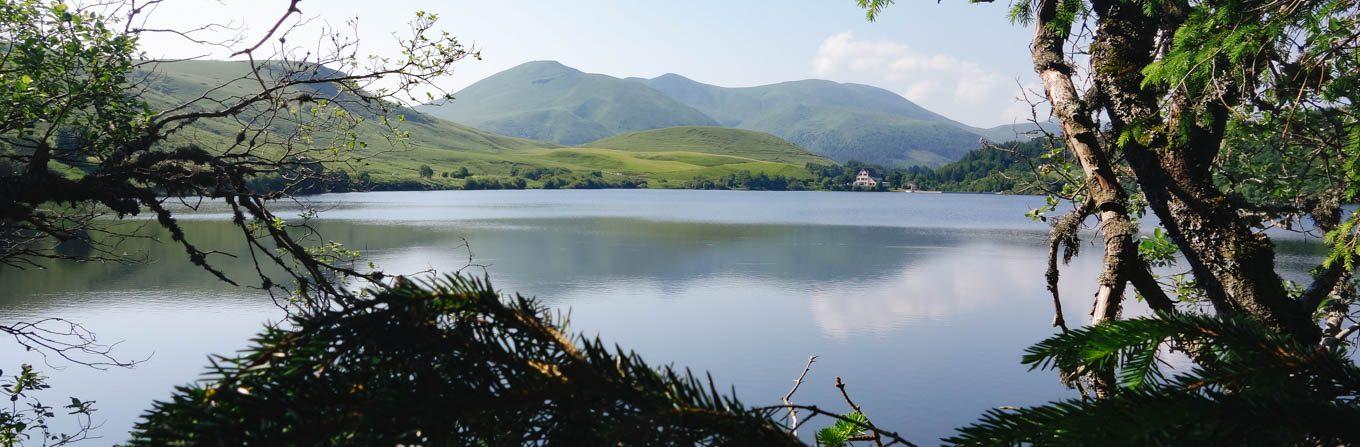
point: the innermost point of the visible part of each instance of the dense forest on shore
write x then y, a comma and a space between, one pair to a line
1003, 168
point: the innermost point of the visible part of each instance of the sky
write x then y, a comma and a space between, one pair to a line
963, 60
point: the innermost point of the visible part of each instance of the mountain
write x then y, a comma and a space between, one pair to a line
1020, 131
865, 117
840, 121
431, 141
664, 158
731, 106
548, 101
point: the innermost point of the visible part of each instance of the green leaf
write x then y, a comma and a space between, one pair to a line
839, 434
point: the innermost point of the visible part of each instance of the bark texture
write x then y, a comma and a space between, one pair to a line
1102, 183
1234, 265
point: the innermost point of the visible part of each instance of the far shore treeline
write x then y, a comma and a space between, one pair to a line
1001, 168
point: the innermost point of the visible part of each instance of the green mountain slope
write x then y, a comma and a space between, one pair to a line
663, 158
718, 141
675, 157
548, 101
840, 121
431, 141
731, 106
1020, 131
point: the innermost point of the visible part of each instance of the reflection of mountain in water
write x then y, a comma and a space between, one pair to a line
668, 273
580, 252
859, 278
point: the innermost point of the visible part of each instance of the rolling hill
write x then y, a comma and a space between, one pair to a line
672, 157
1020, 131
840, 121
432, 141
548, 101
664, 158
718, 141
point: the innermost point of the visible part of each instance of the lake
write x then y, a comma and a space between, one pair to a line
922, 303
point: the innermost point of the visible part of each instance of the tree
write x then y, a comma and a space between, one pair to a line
1254, 385
426, 171
27, 417
80, 141
1224, 119
82, 147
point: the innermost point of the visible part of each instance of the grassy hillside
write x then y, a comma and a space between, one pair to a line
431, 141
548, 101
675, 157
840, 121
880, 138
493, 160
719, 141
551, 102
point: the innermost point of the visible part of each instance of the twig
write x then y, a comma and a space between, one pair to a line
841, 386
292, 9
893, 437
1341, 336
793, 411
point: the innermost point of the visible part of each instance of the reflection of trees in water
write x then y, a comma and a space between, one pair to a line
852, 267
160, 265
555, 251
578, 250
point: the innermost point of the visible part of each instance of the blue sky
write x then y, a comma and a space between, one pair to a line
962, 60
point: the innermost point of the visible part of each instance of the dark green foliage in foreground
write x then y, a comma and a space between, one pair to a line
455, 363
447, 363
840, 433
1250, 385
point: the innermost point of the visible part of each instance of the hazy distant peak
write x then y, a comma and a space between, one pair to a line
544, 66
868, 87
672, 77
809, 82
545, 100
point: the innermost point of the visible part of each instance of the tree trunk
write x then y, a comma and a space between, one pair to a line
1079, 134
1234, 266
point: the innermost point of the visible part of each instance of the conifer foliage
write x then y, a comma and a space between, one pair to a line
1249, 385
450, 362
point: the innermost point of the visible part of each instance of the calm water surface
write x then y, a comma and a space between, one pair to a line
922, 303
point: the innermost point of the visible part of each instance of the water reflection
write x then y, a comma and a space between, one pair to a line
944, 284
923, 301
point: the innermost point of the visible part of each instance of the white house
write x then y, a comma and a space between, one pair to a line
864, 180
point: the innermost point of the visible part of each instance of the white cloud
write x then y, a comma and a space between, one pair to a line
919, 91
961, 89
